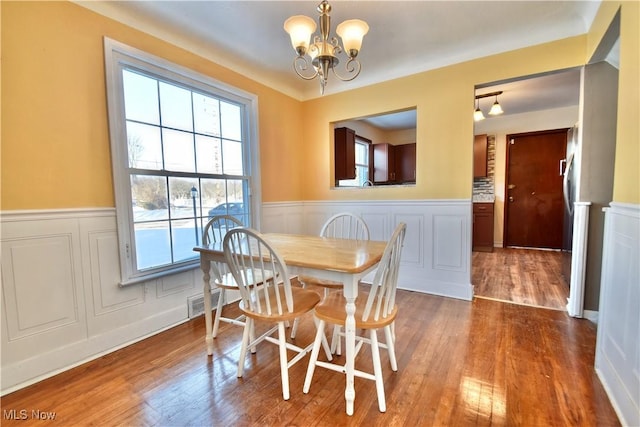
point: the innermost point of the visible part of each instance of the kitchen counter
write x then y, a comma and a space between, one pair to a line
484, 198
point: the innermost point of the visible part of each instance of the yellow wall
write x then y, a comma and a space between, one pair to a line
55, 146
55, 141
445, 102
626, 185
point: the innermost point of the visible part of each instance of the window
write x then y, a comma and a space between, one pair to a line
182, 147
362, 165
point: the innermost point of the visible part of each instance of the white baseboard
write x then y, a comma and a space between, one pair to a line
590, 315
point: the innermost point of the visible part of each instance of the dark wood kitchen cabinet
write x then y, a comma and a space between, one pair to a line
480, 148
483, 227
345, 153
405, 163
384, 163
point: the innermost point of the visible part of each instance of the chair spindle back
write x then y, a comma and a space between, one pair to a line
345, 226
252, 261
382, 296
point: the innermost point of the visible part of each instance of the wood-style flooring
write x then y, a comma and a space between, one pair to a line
521, 276
460, 363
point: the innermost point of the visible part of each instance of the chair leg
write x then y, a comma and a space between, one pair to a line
284, 370
377, 370
391, 348
248, 326
336, 341
393, 331
252, 337
314, 356
294, 328
216, 321
325, 343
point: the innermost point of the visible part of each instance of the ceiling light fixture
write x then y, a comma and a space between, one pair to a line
322, 53
496, 109
477, 114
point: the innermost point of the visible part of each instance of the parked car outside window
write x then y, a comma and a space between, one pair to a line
235, 209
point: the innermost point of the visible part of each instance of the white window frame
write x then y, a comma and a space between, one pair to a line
353, 182
118, 56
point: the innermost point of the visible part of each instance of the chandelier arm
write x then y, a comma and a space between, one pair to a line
300, 65
352, 67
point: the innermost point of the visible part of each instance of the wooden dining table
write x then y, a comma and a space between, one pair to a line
341, 260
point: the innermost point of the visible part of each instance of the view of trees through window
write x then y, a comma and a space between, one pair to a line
185, 163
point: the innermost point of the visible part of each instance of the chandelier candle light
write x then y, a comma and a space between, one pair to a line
323, 51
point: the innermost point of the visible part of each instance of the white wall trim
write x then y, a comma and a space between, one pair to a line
617, 345
40, 214
436, 258
81, 352
590, 315
60, 296
575, 302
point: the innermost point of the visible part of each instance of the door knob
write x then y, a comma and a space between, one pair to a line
510, 198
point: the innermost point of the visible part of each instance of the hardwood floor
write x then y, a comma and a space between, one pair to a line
460, 364
522, 276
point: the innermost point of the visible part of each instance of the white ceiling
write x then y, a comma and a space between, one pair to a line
405, 37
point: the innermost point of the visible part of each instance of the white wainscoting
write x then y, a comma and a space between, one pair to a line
62, 306
61, 303
436, 258
618, 342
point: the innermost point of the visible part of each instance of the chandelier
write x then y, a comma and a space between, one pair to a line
322, 53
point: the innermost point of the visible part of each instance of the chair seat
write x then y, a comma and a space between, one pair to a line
332, 310
228, 282
310, 280
303, 301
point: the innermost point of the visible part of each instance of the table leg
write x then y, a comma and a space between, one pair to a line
350, 293
208, 318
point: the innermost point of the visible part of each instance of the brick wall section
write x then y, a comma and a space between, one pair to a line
484, 187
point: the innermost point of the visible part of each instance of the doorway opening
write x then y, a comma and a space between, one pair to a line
534, 106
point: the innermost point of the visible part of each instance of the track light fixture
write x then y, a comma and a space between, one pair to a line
496, 109
477, 114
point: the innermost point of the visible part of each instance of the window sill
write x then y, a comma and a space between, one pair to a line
152, 276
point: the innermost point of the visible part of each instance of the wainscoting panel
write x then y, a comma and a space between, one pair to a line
437, 253
104, 268
32, 265
177, 283
43, 299
61, 303
413, 250
282, 218
618, 342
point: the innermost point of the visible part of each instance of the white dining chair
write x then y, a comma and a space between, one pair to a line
214, 231
375, 310
251, 259
344, 225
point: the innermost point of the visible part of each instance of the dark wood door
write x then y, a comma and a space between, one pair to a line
534, 207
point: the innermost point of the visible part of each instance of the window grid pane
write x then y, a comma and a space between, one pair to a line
173, 141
